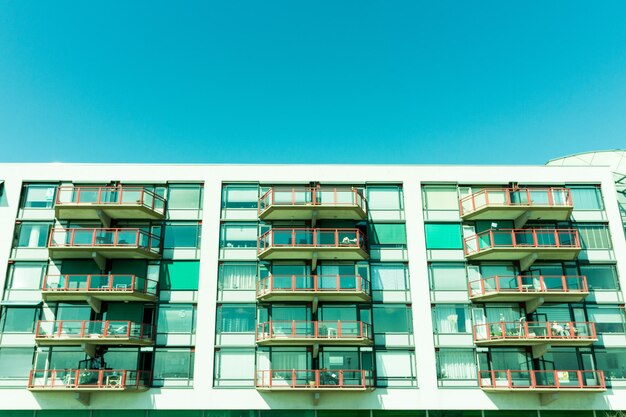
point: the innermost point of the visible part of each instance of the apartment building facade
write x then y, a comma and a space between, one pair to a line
269, 290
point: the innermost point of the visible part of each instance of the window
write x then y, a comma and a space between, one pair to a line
39, 196
32, 235
392, 318
237, 276
240, 196
173, 364
390, 277
600, 277
26, 275
184, 197
443, 236
594, 236
587, 198
239, 235
456, 364
387, 234
182, 235
19, 319
234, 367
15, 363
613, 362
179, 275
384, 198
447, 276
176, 318
451, 318
236, 318
440, 197
607, 319
395, 368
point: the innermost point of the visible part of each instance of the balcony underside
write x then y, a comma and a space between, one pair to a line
310, 341
308, 212
309, 296
548, 297
286, 388
102, 251
320, 253
104, 295
496, 212
543, 389
69, 388
117, 211
96, 341
530, 341
521, 252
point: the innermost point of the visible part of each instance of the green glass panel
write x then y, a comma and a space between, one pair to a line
125, 311
175, 413
511, 413
570, 413
118, 413
180, 275
454, 413
127, 266
399, 413
63, 413
80, 267
18, 413
443, 236
288, 413
343, 413
387, 234
230, 413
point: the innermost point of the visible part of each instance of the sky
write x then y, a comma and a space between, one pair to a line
324, 81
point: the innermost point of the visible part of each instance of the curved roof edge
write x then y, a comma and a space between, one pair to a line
616, 151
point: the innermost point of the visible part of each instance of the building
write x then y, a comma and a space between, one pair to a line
311, 291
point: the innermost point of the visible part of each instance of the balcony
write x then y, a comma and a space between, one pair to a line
523, 333
523, 288
525, 245
314, 380
118, 287
79, 332
348, 288
104, 243
542, 381
295, 332
312, 203
518, 204
122, 202
313, 244
88, 380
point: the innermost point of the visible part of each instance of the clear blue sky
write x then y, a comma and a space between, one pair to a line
334, 81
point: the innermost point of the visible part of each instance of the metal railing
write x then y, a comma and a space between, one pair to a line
529, 330
528, 284
315, 378
313, 283
312, 196
88, 379
87, 329
111, 196
305, 329
104, 238
505, 197
554, 379
521, 238
312, 238
100, 283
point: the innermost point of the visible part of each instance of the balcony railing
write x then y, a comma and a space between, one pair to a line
522, 239
524, 284
312, 238
542, 380
104, 238
110, 196
312, 196
516, 197
329, 330
88, 379
313, 283
315, 379
551, 331
94, 330
99, 283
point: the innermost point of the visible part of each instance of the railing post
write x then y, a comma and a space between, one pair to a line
338, 329
341, 377
338, 283
293, 237
528, 198
533, 378
83, 326
336, 237
557, 238
293, 328
548, 330
316, 333
293, 283
293, 378
557, 383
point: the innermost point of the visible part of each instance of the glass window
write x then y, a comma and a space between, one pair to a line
173, 413
600, 277
182, 235
179, 275
173, 364
612, 362
176, 318
26, 275
607, 319
19, 319
240, 196
395, 367
236, 235
447, 276
390, 277
459, 364
33, 235
451, 318
183, 197
236, 318
594, 236
15, 363
384, 198
234, 367
587, 198
237, 276
443, 236
392, 318
39, 196
440, 197
387, 234
457, 413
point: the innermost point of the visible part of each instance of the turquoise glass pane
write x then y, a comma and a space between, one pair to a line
454, 413
443, 236
400, 413
387, 234
180, 275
